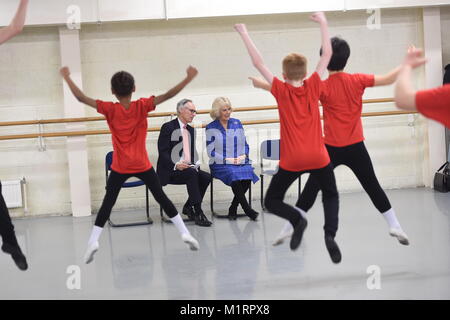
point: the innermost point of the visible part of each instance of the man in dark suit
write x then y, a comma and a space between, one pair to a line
178, 161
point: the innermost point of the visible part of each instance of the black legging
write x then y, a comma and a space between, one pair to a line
357, 158
239, 188
281, 182
6, 226
115, 182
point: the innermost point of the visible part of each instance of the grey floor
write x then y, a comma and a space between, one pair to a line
236, 259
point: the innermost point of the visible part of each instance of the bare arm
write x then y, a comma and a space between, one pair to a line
260, 83
17, 23
405, 95
81, 97
391, 76
327, 50
191, 74
388, 78
256, 57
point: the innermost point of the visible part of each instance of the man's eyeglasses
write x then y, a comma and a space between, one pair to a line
193, 111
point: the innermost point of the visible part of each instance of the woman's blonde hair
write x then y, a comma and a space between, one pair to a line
217, 104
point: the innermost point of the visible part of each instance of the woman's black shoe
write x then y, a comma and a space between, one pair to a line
232, 213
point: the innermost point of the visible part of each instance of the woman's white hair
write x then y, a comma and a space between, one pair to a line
217, 104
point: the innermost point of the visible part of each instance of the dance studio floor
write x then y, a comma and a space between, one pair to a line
236, 259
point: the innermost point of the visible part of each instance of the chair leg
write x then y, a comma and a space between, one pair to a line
262, 193
250, 195
147, 206
142, 223
167, 220
133, 224
211, 200
163, 216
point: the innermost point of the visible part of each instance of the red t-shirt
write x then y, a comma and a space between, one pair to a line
129, 132
435, 104
302, 146
342, 106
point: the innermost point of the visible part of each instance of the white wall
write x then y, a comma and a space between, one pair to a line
31, 89
157, 54
358, 4
51, 12
445, 29
221, 8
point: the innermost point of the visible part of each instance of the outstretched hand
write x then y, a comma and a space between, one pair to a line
318, 17
414, 57
240, 27
411, 48
191, 72
64, 71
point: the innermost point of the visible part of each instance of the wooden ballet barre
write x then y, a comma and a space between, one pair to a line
153, 115
155, 129
91, 119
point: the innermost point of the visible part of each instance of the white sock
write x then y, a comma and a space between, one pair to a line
391, 219
288, 226
303, 213
95, 234
179, 223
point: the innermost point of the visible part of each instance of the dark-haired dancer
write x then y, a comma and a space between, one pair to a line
127, 121
342, 107
10, 244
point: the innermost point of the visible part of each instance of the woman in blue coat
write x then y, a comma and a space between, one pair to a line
228, 152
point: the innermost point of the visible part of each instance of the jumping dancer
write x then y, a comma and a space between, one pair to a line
344, 139
301, 142
10, 244
127, 121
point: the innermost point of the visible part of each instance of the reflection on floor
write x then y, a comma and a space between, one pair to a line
236, 259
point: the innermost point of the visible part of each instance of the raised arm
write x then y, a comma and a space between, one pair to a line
191, 73
327, 50
260, 83
405, 95
81, 97
256, 57
17, 23
388, 78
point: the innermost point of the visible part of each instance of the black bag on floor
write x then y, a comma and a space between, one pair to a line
442, 180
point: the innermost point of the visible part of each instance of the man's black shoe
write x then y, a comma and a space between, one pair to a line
16, 254
188, 211
200, 219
